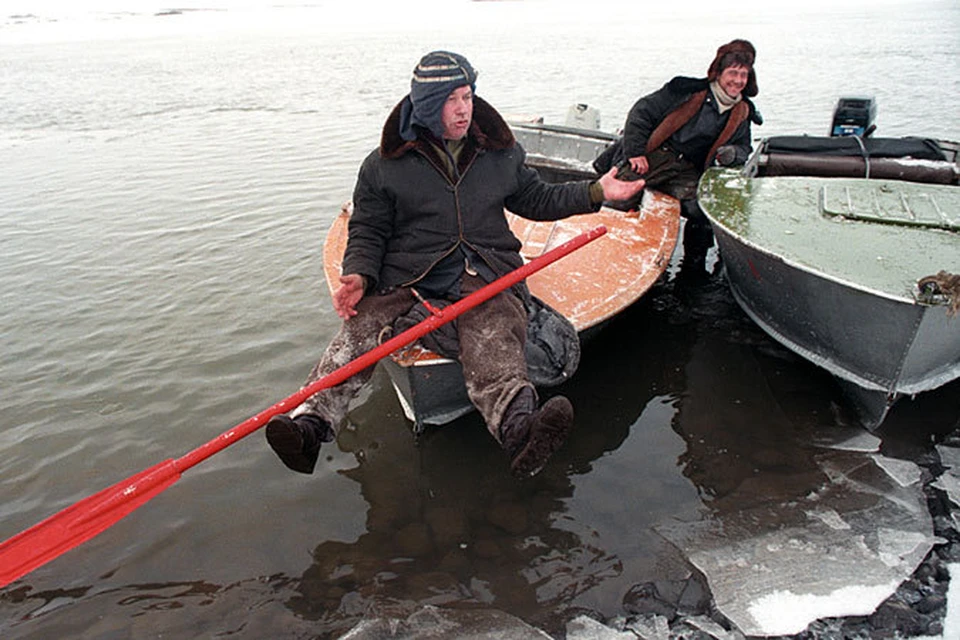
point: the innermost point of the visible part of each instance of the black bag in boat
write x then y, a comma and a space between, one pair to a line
553, 346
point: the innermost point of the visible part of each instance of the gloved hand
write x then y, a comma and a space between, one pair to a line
726, 155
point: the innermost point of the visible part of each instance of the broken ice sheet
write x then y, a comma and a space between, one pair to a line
586, 628
847, 440
949, 483
778, 562
438, 622
949, 457
949, 480
903, 471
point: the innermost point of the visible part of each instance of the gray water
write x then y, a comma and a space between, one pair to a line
165, 189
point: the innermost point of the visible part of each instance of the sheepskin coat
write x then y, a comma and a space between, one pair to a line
409, 213
683, 115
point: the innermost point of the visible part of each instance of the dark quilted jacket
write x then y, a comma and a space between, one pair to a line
408, 214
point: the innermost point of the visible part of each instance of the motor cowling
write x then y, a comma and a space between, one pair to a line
854, 116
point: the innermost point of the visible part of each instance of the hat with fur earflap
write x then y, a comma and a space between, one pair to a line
735, 52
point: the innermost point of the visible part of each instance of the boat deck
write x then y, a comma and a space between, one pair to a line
883, 234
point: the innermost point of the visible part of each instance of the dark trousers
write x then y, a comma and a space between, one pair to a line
672, 174
491, 338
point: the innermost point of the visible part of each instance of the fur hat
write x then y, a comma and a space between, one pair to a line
434, 78
735, 52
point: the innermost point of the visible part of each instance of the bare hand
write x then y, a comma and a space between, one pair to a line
640, 164
614, 189
346, 297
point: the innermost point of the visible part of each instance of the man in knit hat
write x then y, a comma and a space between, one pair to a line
674, 133
428, 221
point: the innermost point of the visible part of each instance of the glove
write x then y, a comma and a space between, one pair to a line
726, 155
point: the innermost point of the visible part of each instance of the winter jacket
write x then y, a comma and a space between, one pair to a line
409, 213
689, 122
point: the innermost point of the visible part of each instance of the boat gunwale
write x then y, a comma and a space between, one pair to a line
576, 132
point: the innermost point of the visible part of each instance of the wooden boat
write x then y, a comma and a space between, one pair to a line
843, 250
588, 287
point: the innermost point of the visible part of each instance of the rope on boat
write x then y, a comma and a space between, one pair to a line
942, 284
866, 156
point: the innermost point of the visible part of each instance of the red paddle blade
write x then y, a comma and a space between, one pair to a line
78, 523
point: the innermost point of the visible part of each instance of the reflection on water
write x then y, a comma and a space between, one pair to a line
448, 526
683, 381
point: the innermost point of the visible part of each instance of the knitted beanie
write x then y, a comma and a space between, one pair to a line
735, 52
434, 78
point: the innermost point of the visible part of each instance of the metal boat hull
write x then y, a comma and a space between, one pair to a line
561, 153
881, 347
829, 266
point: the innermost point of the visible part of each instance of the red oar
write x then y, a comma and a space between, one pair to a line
78, 523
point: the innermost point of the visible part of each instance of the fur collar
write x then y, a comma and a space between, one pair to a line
487, 131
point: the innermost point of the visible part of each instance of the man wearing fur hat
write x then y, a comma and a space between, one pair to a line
428, 221
674, 133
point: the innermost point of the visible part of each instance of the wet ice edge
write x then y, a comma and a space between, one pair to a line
841, 550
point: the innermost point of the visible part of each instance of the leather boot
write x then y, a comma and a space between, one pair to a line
296, 441
531, 437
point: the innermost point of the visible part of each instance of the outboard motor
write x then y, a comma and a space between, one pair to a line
854, 116
583, 116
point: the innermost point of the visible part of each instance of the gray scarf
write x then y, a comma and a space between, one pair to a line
724, 102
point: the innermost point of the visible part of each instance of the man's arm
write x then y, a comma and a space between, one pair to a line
616, 189
649, 112
539, 200
370, 226
646, 113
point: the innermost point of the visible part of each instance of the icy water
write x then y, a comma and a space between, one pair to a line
167, 180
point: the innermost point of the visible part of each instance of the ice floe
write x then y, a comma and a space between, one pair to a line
840, 550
